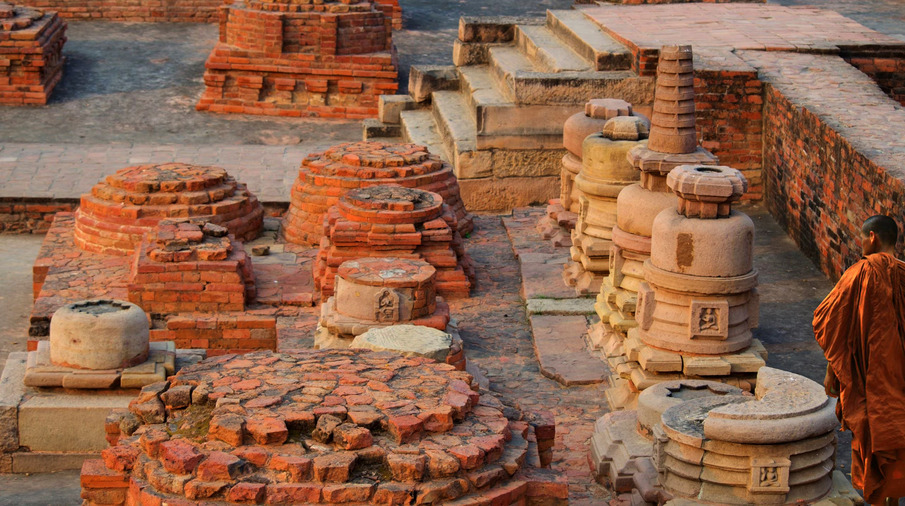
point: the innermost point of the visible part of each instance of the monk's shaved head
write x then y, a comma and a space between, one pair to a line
883, 227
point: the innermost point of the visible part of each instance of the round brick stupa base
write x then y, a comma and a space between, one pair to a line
333, 426
114, 217
324, 177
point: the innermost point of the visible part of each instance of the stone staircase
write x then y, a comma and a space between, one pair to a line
497, 113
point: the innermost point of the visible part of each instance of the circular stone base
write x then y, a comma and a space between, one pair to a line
407, 340
99, 334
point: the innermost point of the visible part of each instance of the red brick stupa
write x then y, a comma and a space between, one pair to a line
322, 427
187, 267
31, 61
324, 177
323, 58
114, 217
392, 221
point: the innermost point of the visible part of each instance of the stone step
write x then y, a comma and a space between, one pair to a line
516, 73
456, 126
547, 52
418, 127
500, 123
585, 37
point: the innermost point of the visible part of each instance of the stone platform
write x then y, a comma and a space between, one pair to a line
38, 429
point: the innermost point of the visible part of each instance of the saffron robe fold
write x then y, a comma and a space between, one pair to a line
861, 328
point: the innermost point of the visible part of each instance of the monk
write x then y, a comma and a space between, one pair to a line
861, 328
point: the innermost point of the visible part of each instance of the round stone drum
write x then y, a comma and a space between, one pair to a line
99, 334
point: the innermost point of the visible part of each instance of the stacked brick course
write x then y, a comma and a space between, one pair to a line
183, 268
31, 61
324, 177
326, 59
393, 221
114, 217
198, 11
322, 427
219, 333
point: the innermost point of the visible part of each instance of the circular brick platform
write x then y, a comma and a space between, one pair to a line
119, 210
324, 177
317, 427
394, 221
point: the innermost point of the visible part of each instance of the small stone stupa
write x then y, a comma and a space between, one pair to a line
605, 172
698, 442
698, 303
562, 213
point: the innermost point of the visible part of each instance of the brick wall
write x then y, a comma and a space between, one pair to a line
199, 11
219, 334
19, 216
885, 67
729, 121
819, 187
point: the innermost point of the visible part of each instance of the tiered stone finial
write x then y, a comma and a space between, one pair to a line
672, 124
325, 427
324, 177
120, 210
324, 58
706, 191
31, 42
393, 221
605, 172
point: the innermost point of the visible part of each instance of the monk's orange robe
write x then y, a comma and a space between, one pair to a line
861, 328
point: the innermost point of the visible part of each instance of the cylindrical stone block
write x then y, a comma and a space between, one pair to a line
99, 334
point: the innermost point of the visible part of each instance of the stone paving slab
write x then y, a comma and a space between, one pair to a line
559, 344
739, 26
561, 306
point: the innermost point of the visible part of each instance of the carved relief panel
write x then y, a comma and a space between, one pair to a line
709, 319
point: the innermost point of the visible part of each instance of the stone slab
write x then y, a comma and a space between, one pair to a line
542, 278
561, 306
68, 422
12, 389
406, 340
559, 348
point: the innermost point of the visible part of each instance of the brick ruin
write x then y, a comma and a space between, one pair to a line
117, 213
192, 11
322, 427
169, 239
324, 177
394, 221
31, 60
320, 59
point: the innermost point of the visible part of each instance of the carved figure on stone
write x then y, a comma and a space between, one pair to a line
387, 306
